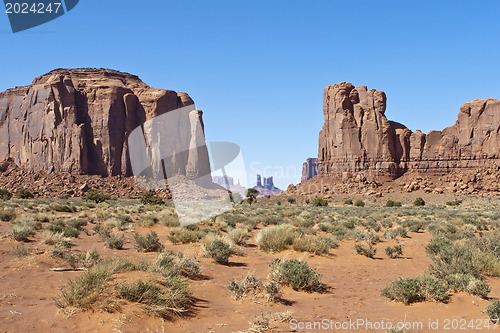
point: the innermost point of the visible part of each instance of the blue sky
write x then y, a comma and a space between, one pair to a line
258, 68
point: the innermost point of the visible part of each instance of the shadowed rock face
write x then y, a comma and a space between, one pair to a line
78, 120
357, 137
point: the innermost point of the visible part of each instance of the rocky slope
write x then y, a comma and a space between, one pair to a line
358, 138
78, 121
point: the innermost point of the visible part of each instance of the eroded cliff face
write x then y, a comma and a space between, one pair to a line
358, 138
78, 121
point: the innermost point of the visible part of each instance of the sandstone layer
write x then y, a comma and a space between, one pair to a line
78, 120
358, 138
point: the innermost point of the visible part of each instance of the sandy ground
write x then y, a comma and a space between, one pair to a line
28, 289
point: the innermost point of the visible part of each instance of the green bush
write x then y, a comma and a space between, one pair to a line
5, 195
297, 274
115, 242
320, 202
58, 207
368, 251
312, 244
493, 311
163, 298
419, 289
291, 200
150, 198
184, 235
219, 251
359, 203
239, 235
71, 232
454, 203
148, 243
397, 204
276, 238
348, 202
389, 203
23, 193
394, 252
419, 202
248, 285
96, 196
170, 264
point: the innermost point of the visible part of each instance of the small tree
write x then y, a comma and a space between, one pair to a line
252, 195
419, 202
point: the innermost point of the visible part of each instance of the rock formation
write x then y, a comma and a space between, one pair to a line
309, 169
358, 138
268, 188
78, 121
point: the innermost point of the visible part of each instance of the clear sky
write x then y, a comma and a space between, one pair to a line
258, 68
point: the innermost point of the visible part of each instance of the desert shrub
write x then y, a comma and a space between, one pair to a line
150, 198
248, 285
367, 251
96, 196
90, 258
120, 222
386, 223
114, 242
359, 203
418, 289
308, 201
51, 238
84, 290
23, 193
5, 195
394, 252
493, 311
393, 233
148, 220
168, 218
316, 245
20, 250
454, 203
349, 224
450, 258
170, 264
297, 274
273, 291
278, 203
291, 200
276, 238
219, 251
419, 202
59, 207
163, 298
148, 243
7, 214
20, 232
348, 202
56, 226
71, 232
319, 202
389, 203
468, 283
239, 235
397, 204
272, 220
184, 235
